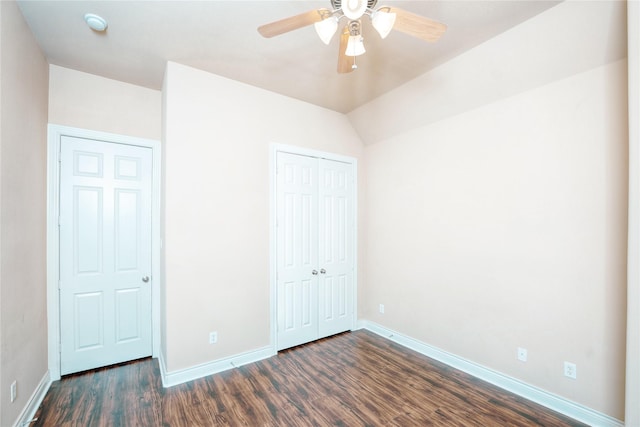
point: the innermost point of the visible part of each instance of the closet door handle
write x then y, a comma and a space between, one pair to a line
314, 272
323, 271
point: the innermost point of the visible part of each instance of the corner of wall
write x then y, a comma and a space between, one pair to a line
632, 395
2, 38
163, 303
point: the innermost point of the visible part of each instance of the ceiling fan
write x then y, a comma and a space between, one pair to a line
383, 19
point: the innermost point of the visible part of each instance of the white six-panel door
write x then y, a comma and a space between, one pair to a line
297, 249
105, 253
314, 248
336, 255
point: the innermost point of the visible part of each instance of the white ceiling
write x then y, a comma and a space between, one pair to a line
221, 37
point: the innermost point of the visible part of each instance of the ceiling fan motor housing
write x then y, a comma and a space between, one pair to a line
337, 4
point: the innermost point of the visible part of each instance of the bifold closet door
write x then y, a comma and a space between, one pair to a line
314, 244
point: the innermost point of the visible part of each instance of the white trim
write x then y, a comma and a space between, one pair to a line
169, 379
276, 148
534, 394
273, 333
354, 320
55, 132
30, 409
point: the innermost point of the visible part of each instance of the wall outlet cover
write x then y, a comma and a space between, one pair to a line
213, 337
570, 370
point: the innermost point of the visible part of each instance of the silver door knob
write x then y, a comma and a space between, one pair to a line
323, 271
314, 272
145, 279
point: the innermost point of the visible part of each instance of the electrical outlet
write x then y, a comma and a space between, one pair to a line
213, 337
381, 308
14, 390
522, 354
570, 370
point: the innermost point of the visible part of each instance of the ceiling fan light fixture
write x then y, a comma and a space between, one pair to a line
383, 22
326, 28
354, 9
355, 46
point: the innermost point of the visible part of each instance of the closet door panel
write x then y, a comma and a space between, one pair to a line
336, 252
297, 249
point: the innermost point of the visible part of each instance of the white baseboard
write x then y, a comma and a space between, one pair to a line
544, 398
30, 409
193, 373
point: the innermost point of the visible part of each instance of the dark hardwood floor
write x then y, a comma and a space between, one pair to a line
352, 379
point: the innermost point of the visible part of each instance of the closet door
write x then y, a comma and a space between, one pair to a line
297, 249
336, 253
315, 259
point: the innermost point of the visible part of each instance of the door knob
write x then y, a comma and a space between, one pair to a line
314, 272
323, 271
145, 279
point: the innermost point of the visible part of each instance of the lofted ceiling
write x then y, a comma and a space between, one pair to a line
221, 37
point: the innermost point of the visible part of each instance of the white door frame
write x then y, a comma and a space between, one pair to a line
55, 132
276, 148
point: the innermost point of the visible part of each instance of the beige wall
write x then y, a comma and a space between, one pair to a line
87, 101
23, 125
2, 37
496, 210
505, 227
632, 413
216, 150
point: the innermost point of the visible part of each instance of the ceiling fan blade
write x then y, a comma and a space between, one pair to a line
293, 22
344, 62
417, 26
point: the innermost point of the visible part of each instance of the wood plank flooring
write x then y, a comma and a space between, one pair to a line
352, 379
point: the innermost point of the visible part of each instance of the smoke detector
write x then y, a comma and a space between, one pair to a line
95, 22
